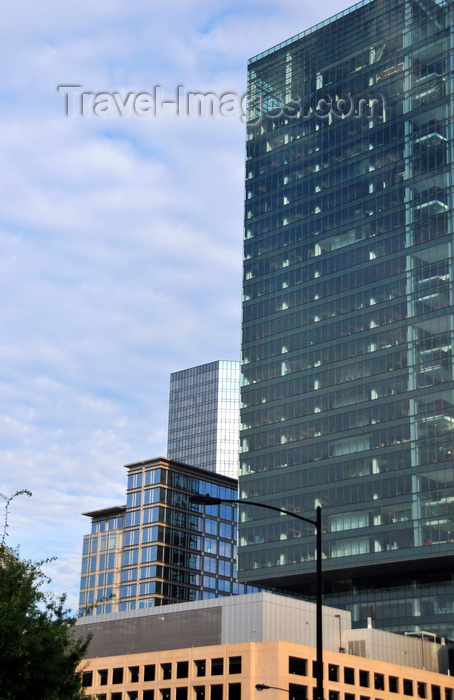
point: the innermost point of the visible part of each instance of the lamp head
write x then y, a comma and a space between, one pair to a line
205, 500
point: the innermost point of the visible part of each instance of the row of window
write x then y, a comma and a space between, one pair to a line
330, 330
186, 519
365, 492
233, 665
107, 524
172, 497
299, 242
104, 561
102, 580
182, 693
105, 543
436, 694
332, 216
428, 283
176, 479
161, 553
297, 692
379, 681
376, 341
300, 131
389, 227
288, 275
341, 173
314, 449
160, 533
164, 671
370, 679
431, 451
210, 565
343, 428
428, 406
151, 587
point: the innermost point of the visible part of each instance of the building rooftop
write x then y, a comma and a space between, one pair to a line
254, 617
169, 462
318, 26
105, 512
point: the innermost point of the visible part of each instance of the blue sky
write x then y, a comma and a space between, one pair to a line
120, 241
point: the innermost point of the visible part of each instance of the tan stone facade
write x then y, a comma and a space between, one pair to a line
231, 672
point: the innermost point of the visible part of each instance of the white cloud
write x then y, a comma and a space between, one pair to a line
120, 242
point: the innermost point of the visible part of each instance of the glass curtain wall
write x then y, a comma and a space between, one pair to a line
347, 397
204, 416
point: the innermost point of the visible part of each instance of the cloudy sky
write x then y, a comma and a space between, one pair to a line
120, 240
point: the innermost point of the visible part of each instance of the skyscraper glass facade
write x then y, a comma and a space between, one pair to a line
204, 416
347, 397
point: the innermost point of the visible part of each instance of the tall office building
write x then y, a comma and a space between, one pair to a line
348, 321
204, 416
159, 548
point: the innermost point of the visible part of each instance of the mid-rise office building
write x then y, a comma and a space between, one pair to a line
222, 649
158, 549
348, 392
204, 416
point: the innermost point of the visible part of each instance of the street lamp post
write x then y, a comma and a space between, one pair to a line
211, 501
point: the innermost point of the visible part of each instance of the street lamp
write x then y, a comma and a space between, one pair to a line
207, 500
262, 686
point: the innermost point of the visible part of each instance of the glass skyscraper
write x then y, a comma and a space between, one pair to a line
347, 397
204, 416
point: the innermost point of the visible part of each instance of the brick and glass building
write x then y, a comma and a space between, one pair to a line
348, 325
159, 548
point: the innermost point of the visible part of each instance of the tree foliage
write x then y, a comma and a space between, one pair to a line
39, 651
